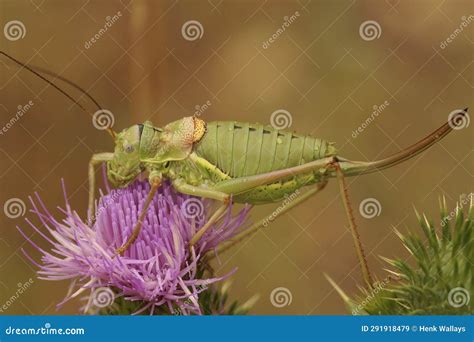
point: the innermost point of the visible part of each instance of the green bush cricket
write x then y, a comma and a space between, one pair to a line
232, 161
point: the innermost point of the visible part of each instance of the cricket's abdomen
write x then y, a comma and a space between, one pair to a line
241, 149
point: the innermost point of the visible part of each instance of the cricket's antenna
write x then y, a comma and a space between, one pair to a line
37, 70
456, 119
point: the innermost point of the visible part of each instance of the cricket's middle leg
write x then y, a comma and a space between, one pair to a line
181, 186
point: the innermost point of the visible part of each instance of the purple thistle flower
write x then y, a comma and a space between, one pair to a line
158, 269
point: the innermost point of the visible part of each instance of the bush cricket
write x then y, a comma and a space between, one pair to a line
231, 161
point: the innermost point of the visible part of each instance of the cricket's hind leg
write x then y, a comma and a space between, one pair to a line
325, 165
263, 222
352, 225
242, 185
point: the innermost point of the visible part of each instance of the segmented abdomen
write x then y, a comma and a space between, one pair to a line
243, 149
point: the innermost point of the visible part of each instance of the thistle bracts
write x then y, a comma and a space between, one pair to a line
437, 278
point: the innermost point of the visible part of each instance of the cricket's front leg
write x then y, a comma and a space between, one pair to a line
181, 186
155, 184
96, 159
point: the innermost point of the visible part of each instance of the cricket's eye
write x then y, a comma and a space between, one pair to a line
129, 148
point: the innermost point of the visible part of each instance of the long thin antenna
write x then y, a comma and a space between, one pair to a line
37, 70
65, 80
44, 79
352, 168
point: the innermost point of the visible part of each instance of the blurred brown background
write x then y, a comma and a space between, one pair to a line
320, 70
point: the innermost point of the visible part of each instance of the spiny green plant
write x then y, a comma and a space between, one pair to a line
440, 281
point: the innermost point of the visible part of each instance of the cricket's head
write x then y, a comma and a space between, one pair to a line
142, 145
125, 165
